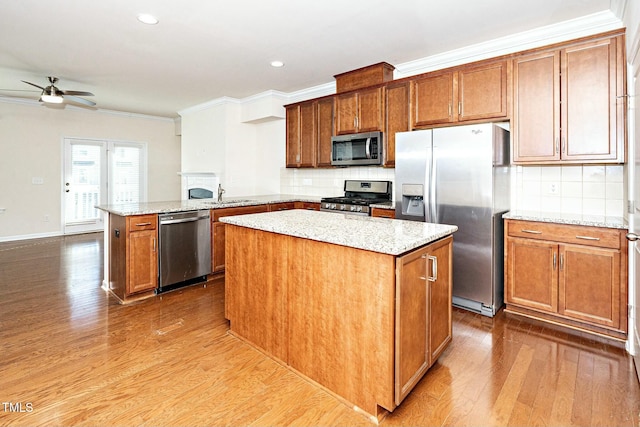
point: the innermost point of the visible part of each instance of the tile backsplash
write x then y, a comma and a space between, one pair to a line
328, 182
579, 189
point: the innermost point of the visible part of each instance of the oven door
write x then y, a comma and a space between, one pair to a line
357, 149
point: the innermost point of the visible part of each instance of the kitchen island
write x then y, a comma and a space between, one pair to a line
360, 306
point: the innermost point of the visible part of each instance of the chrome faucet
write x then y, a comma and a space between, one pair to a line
220, 191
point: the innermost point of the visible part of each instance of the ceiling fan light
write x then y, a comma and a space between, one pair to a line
52, 99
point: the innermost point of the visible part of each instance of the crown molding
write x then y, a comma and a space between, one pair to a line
542, 36
210, 104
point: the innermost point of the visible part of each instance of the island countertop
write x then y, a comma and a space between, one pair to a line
383, 235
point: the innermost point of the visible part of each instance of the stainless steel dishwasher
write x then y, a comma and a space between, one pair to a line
185, 249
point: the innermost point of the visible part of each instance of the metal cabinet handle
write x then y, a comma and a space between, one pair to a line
632, 237
459, 108
143, 224
555, 256
434, 268
531, 231
450, 109
561, 262
587, 238
154, 244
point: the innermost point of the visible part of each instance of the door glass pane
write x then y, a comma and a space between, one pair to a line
83, 187
126, 168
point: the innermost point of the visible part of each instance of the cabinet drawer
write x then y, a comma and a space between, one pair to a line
576, 234
142, 222
282, 206
241, 210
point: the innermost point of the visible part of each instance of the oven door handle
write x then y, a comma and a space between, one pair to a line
368, 148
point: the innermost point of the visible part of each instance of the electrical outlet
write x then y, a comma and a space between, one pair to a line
37, 180
2, 210
46, 218
552, 188
306, 181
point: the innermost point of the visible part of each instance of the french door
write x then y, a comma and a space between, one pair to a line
98, 172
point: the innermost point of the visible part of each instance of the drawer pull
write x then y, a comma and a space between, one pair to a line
588, 238
143, 224
531, 231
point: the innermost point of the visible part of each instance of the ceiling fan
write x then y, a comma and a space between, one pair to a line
52, 94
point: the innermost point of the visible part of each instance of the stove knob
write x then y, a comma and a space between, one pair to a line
333, 205
353, 209
359, 209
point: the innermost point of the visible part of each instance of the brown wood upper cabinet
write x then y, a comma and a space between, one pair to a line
302, 140
475, 92
309, 132
397, 118
359, 111
568, 104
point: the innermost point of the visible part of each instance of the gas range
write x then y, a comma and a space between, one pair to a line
358, 197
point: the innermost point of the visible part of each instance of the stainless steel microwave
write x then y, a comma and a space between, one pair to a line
358, 149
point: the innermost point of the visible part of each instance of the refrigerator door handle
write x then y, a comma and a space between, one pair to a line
433, 197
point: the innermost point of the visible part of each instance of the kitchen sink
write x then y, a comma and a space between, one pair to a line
228, 202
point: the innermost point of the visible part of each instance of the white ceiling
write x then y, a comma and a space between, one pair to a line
206, 49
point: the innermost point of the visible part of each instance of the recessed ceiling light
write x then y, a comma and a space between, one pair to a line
277, 64
145, 18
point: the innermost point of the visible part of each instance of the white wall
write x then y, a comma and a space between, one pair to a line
31, 138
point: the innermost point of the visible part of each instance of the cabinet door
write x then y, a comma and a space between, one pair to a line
589, 101
433, 100
590, 284
217, 248
325, 131
308, 135
482, 92
293, 136
383, 213
536, 108
531, 274
440, 298
412, 340
397, 111
346, 113
370, 110
143, 261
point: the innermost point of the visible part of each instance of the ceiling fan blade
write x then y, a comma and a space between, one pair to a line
33, 84
79, 100
75, 92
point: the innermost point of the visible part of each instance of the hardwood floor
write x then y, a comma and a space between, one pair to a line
71, 355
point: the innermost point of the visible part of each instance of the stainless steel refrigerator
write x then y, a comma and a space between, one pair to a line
461, 176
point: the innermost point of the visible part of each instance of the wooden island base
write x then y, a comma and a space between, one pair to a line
334, 313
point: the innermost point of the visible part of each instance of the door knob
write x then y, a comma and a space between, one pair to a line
632, 237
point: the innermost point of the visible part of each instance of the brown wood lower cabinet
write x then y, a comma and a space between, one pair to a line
368, 338
218, 231
133, 246
312, 206
568, 274
423, 312
383, 213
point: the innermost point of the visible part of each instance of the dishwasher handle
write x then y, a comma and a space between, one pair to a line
178, 219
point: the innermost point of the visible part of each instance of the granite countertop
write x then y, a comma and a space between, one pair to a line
125, 209
573, 219
388, 236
